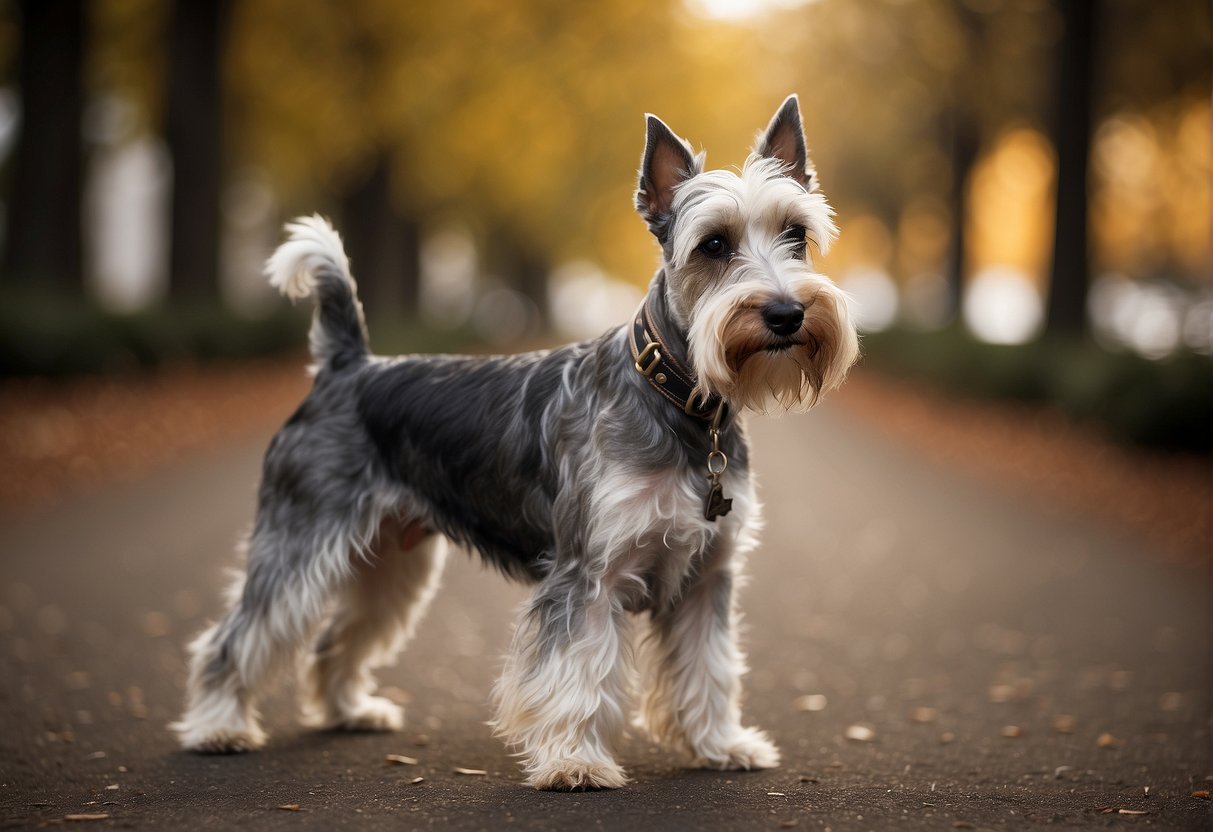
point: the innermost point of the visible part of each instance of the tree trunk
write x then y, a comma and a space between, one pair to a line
964, 135
523, 270
530, 277
965, 146
1067, 302
194, 132
384, 247
44, 238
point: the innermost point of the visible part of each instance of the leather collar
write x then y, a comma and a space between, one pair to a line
667, 373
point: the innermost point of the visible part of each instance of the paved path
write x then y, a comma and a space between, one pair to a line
935, 611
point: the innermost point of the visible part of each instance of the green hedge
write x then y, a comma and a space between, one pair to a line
54, 337
1164, 404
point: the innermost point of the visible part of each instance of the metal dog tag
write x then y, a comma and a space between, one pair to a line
717, 505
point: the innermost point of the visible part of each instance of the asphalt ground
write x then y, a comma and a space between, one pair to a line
998, 662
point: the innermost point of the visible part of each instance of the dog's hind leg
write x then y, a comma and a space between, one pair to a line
377, 609
302, 546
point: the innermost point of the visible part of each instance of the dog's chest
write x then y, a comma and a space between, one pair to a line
650, 533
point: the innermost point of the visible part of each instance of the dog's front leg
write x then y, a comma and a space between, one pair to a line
693, 667
561, 699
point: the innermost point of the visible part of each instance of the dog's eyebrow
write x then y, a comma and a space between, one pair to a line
715, 211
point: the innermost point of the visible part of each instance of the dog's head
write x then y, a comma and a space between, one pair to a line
764, 329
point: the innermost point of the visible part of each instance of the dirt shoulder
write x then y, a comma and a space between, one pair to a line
1166, 498
59, 438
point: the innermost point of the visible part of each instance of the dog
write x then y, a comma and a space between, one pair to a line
611, 474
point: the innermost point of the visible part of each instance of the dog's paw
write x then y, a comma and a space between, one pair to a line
372, 713
749, 749
224, 741
567, 775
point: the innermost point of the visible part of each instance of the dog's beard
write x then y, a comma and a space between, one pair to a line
739, 358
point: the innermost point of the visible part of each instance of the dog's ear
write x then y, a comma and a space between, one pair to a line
784, 140
667, 162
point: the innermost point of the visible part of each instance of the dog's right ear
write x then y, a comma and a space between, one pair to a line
667, 162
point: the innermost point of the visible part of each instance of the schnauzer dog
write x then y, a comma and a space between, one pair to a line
612, 475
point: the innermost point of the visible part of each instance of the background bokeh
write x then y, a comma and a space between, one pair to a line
982, 595
1028, 174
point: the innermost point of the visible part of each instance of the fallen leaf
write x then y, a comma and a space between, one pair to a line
1132, 812
416, 780
812, 702
88, 816
1001, 693
1063, 724
776, 794
473, 771
401, 760
1011, 731
860, 733
1106, 740
156, 624
290, 807
1171, 701
1202, 794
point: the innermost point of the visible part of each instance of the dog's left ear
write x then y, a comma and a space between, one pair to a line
784, 140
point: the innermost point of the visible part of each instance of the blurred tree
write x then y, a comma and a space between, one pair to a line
384, 246
194, 131
525, 134
321, 136
963, 128
913, 91
44, 240
1145, 55
1150, 182
1067, 296
992, 75
531, 136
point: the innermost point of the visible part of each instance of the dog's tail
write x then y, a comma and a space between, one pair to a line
313, 260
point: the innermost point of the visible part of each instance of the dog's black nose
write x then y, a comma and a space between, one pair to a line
783, 318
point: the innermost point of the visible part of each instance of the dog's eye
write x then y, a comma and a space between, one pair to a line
715, 246
797, 235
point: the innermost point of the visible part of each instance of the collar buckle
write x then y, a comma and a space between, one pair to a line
667, 372
648, 359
